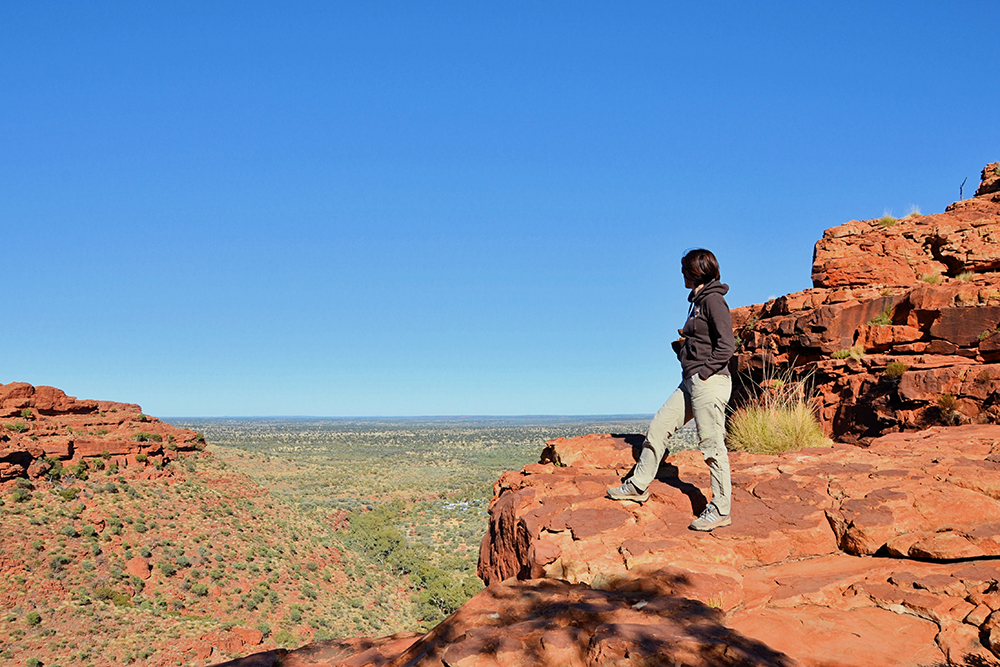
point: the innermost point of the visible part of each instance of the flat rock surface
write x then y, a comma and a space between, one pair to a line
840, 556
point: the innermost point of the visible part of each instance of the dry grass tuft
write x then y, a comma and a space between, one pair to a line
781, 418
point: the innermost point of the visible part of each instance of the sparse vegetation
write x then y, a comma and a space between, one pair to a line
856, 352
931, 278
966, 276
780, 418
914, 212
884, 318
17, 427
986, 334
142, 436
894, 371
887, 221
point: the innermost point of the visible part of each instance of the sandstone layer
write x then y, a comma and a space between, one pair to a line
839, 556
41, 427
901, 329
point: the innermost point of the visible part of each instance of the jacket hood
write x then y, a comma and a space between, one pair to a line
711, 287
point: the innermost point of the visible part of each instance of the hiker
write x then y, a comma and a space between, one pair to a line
704, 349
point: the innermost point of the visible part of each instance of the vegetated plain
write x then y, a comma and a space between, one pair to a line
302, 528
407, 496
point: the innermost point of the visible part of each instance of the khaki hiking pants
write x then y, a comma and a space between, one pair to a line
705, 400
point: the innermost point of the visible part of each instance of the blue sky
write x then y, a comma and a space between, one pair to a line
400, 208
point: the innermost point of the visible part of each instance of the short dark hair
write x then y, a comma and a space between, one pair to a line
700, 266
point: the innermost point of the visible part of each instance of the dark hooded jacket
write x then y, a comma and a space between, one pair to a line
708, 342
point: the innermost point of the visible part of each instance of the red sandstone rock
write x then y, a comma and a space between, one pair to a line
137, 566
577, 579
865, 271
38, 422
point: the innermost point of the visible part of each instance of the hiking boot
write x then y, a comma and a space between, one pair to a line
628, 491
710, 519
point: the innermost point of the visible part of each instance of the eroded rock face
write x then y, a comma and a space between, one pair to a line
871, 306
40, 426
577, 579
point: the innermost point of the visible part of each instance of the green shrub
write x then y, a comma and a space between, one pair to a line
780, 418
16, 427
264, 628
882, 319
167, 568
68, 494
895, 369
19, 495
101, 431
141, 458
142, 436
32, 618
69, 531
199, 589
26, 413
285, 638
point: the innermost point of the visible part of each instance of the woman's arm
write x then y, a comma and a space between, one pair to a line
720, 330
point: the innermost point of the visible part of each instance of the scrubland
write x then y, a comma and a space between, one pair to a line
301, 529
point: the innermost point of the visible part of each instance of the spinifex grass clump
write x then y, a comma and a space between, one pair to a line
780, 418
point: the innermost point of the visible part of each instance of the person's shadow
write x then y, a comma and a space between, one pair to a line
667, 473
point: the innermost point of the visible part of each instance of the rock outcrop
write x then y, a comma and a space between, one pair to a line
887, 554
840, 556
901, 329
41, 427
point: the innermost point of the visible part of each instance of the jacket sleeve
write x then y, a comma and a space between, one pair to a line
720, 330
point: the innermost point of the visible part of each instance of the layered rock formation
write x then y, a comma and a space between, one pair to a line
917, 297
843, 556
41, 427
887, 554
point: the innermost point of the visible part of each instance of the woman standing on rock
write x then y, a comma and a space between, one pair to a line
704, 349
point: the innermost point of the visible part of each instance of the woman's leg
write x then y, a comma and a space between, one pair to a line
674, 414
708, 402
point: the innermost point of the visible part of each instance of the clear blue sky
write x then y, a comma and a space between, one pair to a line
419, 208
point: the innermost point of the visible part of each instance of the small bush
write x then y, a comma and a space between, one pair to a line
20, 495
887, 221
780, 418
32, 618
142, 436
894, 370
984, 376
69, 531
33, 662
141, 458
947, 402
931, 278
16, 427
199, 589
68, 494
26, 413
966, 276
882, 319
101, 431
